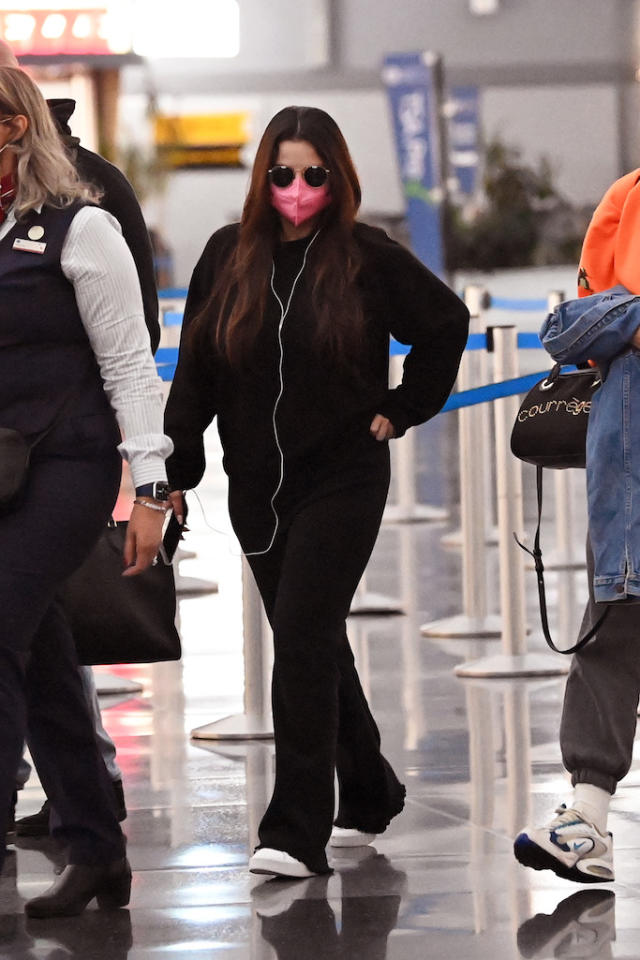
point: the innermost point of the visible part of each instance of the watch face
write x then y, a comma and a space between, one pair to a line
161, 491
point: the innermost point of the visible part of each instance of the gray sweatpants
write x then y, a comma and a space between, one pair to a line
601, 698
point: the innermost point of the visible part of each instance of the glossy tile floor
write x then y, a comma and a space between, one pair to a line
479, 757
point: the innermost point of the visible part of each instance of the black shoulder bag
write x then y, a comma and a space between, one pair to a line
550, 430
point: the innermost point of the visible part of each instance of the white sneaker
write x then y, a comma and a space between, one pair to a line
570, 846
347, 837
279, 863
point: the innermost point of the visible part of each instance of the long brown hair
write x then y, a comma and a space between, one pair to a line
237, 303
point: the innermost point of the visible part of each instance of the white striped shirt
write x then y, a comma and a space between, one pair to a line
98, 263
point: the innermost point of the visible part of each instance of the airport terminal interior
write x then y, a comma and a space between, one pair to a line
479, 757
445, 625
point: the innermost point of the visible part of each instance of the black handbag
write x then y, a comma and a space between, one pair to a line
116, 619
550, 430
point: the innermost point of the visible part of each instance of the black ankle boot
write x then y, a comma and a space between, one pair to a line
35, 825
78, 884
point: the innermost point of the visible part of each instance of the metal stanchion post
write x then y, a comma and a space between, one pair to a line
474, 373
110, 684
255, 723
366, 603
403, 462
191, 586
514, 661
474, 621
173, 308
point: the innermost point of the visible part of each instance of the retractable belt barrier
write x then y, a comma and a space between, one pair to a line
167, 359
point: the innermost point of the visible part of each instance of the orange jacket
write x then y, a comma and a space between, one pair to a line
611, 248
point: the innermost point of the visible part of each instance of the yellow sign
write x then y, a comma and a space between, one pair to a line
202, 140
177, 157
203, 130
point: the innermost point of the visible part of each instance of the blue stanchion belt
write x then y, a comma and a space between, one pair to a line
520, 304
475, 341
167, 358
492, 391
172, 293
172, 318
506, 303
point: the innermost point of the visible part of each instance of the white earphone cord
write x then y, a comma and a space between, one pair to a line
283, 315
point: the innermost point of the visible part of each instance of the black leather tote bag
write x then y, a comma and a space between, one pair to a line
116, 619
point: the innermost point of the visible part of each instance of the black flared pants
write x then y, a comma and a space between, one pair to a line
322, 721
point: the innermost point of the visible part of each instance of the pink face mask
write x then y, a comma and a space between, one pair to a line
299, 202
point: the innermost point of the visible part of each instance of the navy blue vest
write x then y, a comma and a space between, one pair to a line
44, 350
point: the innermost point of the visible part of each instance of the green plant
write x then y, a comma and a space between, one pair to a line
522, 219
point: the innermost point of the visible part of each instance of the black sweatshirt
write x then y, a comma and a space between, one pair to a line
321, 411
119, 200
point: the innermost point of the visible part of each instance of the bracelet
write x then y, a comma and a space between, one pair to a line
150, 506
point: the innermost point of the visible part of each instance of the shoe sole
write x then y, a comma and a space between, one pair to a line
32, 831
362, 841
275, 869
529, 854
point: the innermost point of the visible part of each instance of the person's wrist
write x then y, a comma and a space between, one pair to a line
158, 491
159, 506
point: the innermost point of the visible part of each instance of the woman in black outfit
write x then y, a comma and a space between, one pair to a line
286, 341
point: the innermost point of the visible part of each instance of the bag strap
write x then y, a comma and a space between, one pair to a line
536, 553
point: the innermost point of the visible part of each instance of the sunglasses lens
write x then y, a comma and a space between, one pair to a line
281, 176
316, 176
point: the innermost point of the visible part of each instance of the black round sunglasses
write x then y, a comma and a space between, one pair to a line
282, 176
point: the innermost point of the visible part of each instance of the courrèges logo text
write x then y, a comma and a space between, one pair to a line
574, 407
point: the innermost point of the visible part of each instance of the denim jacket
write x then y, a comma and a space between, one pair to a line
600, 328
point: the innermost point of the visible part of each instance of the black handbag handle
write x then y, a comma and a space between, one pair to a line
173, 534
536, 553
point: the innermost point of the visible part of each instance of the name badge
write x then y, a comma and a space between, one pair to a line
29, 246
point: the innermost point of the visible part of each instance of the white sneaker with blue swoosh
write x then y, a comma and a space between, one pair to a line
570, 846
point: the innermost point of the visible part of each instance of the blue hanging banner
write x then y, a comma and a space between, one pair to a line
413, 82
463, 113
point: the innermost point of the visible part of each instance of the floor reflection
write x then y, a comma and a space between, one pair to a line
303, 921
582, 926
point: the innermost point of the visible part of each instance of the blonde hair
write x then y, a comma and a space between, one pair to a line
45, 174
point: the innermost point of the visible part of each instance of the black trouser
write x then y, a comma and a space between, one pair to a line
321, 718
68, 502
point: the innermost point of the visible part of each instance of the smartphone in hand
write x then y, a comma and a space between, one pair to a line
172, 537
